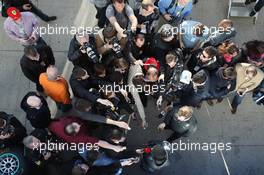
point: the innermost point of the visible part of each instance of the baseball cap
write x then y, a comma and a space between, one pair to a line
13, 13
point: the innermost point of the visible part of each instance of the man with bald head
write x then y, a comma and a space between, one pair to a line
37, 110
56, 87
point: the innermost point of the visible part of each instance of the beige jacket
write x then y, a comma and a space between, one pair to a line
100, 43
243, 84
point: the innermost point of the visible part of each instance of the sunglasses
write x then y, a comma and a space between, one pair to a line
145, 6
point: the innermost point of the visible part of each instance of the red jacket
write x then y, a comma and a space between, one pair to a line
57, 128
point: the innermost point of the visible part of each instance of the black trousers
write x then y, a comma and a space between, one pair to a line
39, 13
258, 5
64, 107
39, 44
39, 88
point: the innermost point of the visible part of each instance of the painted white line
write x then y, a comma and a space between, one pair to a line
207, 110
80, 20
224, 160
229, 103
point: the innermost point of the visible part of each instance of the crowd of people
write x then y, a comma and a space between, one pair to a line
151, 51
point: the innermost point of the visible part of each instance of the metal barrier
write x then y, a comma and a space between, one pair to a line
237, 8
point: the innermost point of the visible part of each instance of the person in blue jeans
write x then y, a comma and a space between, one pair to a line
174, 11
249, 77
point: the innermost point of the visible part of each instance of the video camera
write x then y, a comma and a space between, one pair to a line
130, 34
180, 78
91, 52
174, 82
116, 47
113, 114
110, 112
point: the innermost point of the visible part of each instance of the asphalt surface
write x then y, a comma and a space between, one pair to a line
215, 124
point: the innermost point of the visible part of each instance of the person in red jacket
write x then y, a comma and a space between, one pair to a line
75, 130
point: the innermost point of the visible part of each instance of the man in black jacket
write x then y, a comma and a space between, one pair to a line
38, 151
181, 121
163, 42
116, 136
26, 5
35, 61
222, 82
199, 91
136, 50
206, 58
81, 85
12, 131
173, 59
82, 51
37, 110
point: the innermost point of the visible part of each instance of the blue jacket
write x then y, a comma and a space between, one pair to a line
175, 10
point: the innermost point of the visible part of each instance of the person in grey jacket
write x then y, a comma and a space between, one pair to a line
101, 6
225, 31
